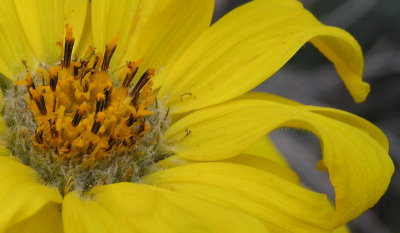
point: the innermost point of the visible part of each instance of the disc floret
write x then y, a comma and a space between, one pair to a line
83, 116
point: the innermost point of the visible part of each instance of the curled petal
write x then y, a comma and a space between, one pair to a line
250, 44
354, 151
265, 148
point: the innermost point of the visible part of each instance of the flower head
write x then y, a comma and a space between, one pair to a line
142, 122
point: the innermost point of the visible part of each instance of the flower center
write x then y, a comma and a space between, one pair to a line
83, 121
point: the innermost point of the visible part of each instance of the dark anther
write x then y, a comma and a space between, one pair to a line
100, 104
30, 84
107, 92
129, 77
124, 143
142, 82
76, 69
83, 64
77, 118
53, 81
53, 130
111, 143
90, 148
96, 60
85, 86
141, 128
85, 72
68, 46
130, 121
134, 100
107, 57
41, 105
96, 127
39, 136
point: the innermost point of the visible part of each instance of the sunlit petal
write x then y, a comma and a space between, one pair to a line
150, 31
129, 207
281, 204
250, 44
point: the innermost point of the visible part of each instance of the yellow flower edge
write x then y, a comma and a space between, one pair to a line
220, 179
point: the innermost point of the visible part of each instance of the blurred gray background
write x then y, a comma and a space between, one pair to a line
311, 79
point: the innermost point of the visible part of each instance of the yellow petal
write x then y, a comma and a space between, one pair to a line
4, 151
1, 96
353, 120
2, 124
47, 220
76, 14
13, 43
250, 44
115, 19
268, 96
86, 38
282, 205
265, 148
359, 166
278, 169
21, 196
342, 229
151, 30
130, 207
254, 161
173, 26
340, 115
44, 21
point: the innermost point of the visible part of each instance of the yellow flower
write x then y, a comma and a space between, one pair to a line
189, 153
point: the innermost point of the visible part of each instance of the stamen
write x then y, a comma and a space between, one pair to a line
39, 136
39, 100
29, 81
80, 116
142, 81
111, 143
133, 68
110, 49
77, 68
68, 46
130, 121
96, 61
53, 129
107, 94
90, 148
42, 74
85, 86
53, 81
98, 122
100, 102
